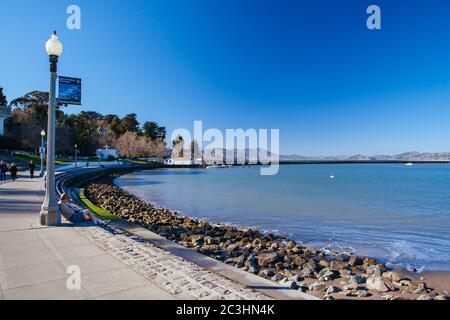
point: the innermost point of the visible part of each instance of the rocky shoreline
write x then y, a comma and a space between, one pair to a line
324, 274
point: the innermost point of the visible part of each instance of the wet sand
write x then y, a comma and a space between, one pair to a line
436, 279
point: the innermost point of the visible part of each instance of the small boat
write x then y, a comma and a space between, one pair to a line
409, 164
332, 176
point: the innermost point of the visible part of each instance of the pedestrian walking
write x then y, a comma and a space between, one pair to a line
13, 170
3, 169
31, 166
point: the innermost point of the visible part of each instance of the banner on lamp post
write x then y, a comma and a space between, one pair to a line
69, 91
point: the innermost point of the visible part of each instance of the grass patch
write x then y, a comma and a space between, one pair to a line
141, 162
137, 162
98, 211
37, 159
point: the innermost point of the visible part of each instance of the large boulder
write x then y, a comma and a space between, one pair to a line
369, 262
362, 293
377, 284
343, 257
421, 288
338, 265
268, 258
333, 289
296, 278
195, 238
266, 273
298, 261
355, 261
318, 286
233, 247
308, 270
374, 270
356, 280
392, 276
277, 278
324, 263
327, 274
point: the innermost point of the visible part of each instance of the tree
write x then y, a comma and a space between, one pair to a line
131, 145
116, 126
93, 115
85, 132
3, 101
153, 131
29, 117
130, 123
90, 130
150, 129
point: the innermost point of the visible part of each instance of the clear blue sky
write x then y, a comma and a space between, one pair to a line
310, 68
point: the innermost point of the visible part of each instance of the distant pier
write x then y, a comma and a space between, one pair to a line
361, 161
316, 162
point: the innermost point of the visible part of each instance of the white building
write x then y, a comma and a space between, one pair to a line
107, 153
183, 161
5, 112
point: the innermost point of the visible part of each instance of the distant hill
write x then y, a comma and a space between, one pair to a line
407, 156
412, 156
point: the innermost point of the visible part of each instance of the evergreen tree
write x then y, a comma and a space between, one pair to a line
130, 123
153, 131
3, 101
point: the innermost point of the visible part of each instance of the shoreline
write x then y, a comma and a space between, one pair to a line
334, 275
412, 271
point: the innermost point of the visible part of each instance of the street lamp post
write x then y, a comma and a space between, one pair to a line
50, 214
42, 153
76, 152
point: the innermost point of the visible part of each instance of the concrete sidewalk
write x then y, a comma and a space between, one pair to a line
34, 259
114, 262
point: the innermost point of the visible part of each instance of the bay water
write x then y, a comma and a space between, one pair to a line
396, 213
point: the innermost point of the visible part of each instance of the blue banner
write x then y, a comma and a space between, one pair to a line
69, 90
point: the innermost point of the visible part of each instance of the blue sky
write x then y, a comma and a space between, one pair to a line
310, 68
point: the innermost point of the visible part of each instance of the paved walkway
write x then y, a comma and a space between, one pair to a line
34, 260
113, 263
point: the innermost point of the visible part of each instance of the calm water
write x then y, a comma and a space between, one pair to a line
396, 213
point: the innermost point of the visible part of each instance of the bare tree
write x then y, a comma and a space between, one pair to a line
131, 145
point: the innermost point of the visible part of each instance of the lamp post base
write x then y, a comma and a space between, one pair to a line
50, 216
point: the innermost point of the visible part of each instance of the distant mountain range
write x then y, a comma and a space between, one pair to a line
411, 156
407, 156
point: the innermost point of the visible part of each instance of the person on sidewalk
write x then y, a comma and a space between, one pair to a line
13, 169
31, 166
3, 169
75, 214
